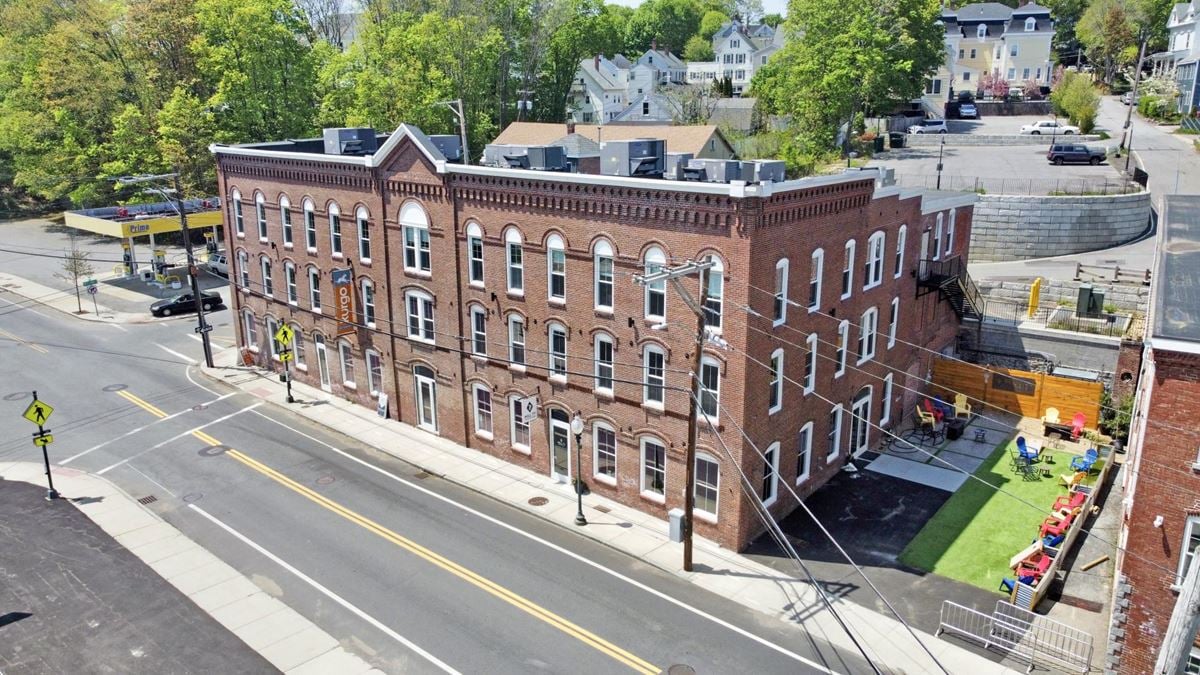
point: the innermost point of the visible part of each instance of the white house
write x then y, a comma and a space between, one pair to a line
1182, 55
740, 51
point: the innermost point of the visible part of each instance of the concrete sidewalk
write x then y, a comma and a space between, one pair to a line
287, 640
65, 302
627, 530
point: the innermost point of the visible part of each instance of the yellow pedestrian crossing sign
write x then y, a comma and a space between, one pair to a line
38, 412
284, 335
44, 439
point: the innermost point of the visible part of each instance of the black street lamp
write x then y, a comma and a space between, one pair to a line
577, 429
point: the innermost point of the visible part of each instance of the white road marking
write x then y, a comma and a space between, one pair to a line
176, 437
20, 307
116, 325
142, 428
438, 663
176, 354
571, 554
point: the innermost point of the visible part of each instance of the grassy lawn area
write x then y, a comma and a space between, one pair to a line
975, 533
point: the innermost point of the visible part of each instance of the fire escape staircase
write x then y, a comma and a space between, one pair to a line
949, 279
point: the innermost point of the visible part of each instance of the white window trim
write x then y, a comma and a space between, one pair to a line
837, 447
875, 255
709, 516
475, 233
718, 269
414, 236
937, 237
715, 416
776, 383
885, 406
869, 318
818, 263
362, 220
599, 339
810, 356
773, 447
483, 433
654, 256
551, 354
848, 269
422, 298
285, 221
346, 382
646, 351
950, 232
781, 292
1192, 523
608, 480
476, 310
648, 494
807, 431
268, 279
513, 363
239, 218
289, 280
892, 324
314, 290
373, 387
310, 226
604, 250
512, 427
512, 237
843, 348
298, 359
901, 242
243, 263
366, 287
554, 244
271, 326
251, 326
260, 216
335, 233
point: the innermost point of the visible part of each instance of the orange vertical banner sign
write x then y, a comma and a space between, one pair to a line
343, 293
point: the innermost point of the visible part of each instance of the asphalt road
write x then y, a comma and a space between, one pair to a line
428, 568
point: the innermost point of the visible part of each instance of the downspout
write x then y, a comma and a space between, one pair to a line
379, 184
458, 294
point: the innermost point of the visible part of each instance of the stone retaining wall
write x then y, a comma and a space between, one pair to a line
1127, 298
920, 140
1005, 108
1019, 227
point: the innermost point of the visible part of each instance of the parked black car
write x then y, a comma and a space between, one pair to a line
182, 304
1070, 153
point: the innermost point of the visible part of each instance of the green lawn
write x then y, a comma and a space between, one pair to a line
975, 533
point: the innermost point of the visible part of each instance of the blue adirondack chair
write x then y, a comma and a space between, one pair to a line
1085, 461
1024, 452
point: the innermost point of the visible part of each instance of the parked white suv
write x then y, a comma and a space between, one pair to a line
1049, 127
218, 264
928, 127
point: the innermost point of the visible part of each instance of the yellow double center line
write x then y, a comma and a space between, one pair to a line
487, 585
144, 405
27, 343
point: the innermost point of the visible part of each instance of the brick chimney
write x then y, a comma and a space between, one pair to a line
596, 62
654, 44
570, 128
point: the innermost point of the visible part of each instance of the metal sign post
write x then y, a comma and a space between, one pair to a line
39, 412
284, 336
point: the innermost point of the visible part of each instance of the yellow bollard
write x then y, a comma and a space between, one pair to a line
1035, 294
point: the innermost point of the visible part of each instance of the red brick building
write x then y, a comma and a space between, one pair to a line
476, 286
1160, 531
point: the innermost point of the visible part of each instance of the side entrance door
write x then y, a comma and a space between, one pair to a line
560, 446
322, 361
425, 387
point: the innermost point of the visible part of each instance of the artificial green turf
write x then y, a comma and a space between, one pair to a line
975, 533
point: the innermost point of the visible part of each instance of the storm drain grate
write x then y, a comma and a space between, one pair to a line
149, 499
602, 509
422, 475
538, 501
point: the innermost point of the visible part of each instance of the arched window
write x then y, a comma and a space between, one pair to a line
244, 269
937, 237
860, 420
335, 229
298, 347
654, 468
901, 242
770, 480
478, 330
285, 219
368, 303
656, 293
602, 257
709, 389
475, 255
604, 362
713, 279
655, 366
868, 328
363, 220
516, 340
834, 437
885, 403
310, 225
556, 269
483, 410
1030, 25
804, 452
810, 363
981, 31
893, 322
848, 270
775, 384
289, 279
346, 356
874, 265
604, 453
239, 223
708, 485
950, 231
556, 336
420, 315
416, 238
272, 327
843, 339
314, 288
781, 292
516, 264
251, 326
267, 287
814, 280
260, 214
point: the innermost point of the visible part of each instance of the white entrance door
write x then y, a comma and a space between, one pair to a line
560, 446
426, 389
860, 418
922, 264
322, 361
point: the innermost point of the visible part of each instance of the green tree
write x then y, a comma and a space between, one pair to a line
1106, 31
710, 23
773, 20
668, 22
698, 49
594, 28
1077, 98
185, 128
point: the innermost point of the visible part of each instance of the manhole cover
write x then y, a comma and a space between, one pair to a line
538, 501
17, 396
422, 475
325, 480
681, 669
198, 408
213, 450
192, 497
116, 387
148, 499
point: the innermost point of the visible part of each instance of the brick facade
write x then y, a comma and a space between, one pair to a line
747, 234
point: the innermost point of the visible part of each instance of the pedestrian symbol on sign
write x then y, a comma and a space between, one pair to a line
38, 412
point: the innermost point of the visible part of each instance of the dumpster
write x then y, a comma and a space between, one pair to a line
897, 139
879, 144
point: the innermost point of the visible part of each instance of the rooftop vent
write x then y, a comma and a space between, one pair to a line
642, 157
546, 157
449, 145
350, 141
676, 164
714, 170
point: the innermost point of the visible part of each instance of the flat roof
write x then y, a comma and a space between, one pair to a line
1177, 272
138, 220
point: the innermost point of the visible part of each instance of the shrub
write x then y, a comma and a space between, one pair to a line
1075, 96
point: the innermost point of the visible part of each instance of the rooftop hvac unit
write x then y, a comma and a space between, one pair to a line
546, 158
769, 171
450, 146
350, 141
645, 157
676, 164
493, 155
718, 170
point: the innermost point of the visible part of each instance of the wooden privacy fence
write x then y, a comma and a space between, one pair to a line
1020, 391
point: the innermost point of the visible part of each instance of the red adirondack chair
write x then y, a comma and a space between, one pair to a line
1077, 423
932, 409
1070, 502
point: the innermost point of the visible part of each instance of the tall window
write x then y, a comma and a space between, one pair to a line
656, 293
558, 350
556, 269
314, 289
814, 280
654, 467
843, 340
901, 241
251, 330
781, 292
374, 372
950, 231
475, 254
775, 394
604, 449
604, 362
516, 265
874, 265
272, 327
708, 484
289, 278
478, 330
260, 214
835, 433
239, 222
1191, 542
885, 406
868, 328
368, 303
516, 340
810, 363
416, 238
268, 287
518, 430
335, 229
655, 372
298, 346
770, 474
937, 238
244, 269
602, 258
363, 220
804, 453
714, 293
285, 219
347, 359
310, 225
710, 388
893, 322
483, 410
420, 316
848, 271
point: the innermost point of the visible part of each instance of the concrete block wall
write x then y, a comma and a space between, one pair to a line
1020, 227
1128, 298
923, 140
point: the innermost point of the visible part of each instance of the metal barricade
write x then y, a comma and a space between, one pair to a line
1020, 633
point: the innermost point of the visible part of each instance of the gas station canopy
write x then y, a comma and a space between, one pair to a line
145, 219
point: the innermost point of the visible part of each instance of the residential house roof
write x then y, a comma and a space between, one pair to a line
692, 138
1030, 8
983, 11
1177, 273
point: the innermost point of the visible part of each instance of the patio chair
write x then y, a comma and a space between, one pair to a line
1051, 416
961, 407
1077, 423
1085, 461
1035, 567
1054, 525
929, 408
1072, 501
946, 407
1072, 480
1025, 450
1052, 541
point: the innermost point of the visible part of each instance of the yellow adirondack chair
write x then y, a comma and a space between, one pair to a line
961, 407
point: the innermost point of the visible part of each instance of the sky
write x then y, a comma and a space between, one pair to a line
769, 6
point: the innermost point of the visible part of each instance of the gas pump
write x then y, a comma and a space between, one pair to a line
160, 261
210, 243
126, 258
